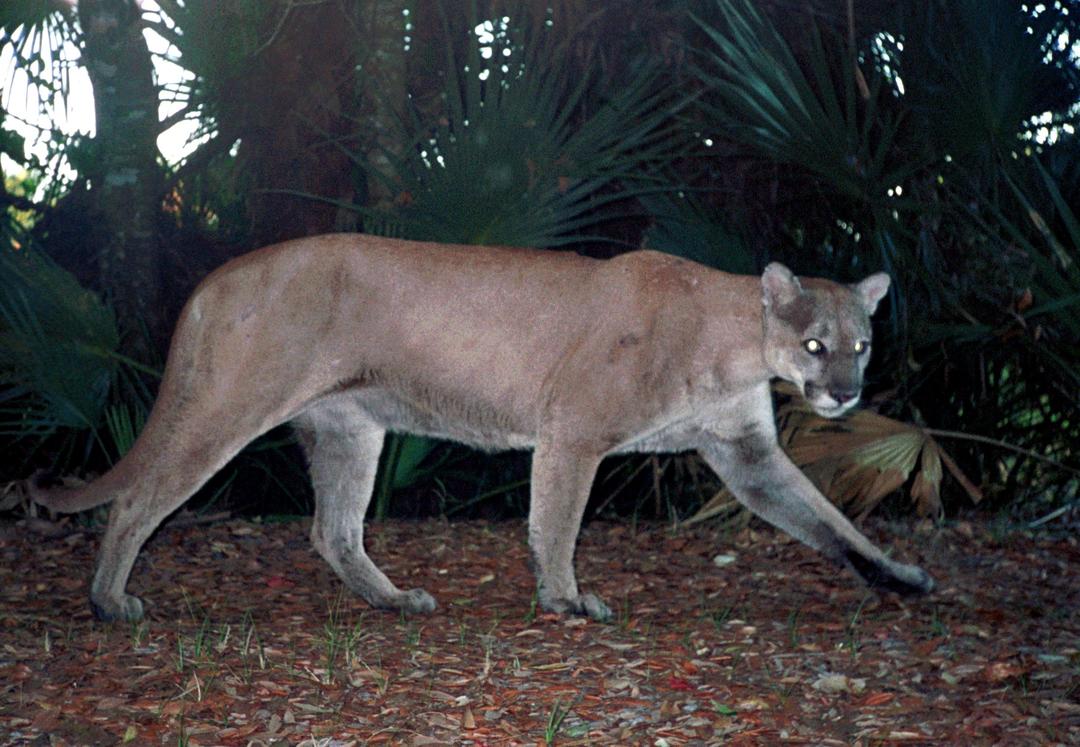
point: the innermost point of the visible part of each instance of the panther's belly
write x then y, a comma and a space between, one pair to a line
441, 415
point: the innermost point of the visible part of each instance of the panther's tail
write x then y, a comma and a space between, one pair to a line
71, 499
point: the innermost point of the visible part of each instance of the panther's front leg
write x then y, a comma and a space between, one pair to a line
562, 475
762, 477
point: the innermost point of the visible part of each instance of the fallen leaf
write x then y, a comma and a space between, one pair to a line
839, 683
728, 657
1004, 670
678, 683
876, 699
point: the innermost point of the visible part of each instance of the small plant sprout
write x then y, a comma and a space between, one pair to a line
531, 614
793, 626
555, 718
853, 625
138, 631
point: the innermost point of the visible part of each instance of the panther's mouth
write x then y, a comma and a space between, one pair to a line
829, 404
834, 411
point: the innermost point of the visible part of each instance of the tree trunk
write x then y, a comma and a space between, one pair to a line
384, 82
125, 178
298, 104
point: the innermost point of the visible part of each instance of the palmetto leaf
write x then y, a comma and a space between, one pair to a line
859, 460
1045, 231
518, 157
1058, 264
57, 347
925, 490
759, 95
686, 227
967, 101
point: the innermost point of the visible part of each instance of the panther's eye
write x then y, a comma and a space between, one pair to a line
861, 346
814, 347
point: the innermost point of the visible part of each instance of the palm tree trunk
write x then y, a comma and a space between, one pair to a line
385, 92
126, 180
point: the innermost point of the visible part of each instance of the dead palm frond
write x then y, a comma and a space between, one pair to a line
859, 460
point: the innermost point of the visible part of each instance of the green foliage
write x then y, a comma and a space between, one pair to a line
11, 143
123, 421
1055, 256
16, 13
758, 94
64, 388
400, 468
217, 43
58, 347
32, 29
978, 70
686, 226
936, 145
556, 716
519, 156
1019, 333
840, 135
37, 38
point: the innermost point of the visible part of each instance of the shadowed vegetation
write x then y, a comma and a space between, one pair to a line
727, 131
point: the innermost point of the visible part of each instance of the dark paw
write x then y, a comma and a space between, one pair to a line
586, 605
126, 608
416, 602
908, 580
38, 485
916, 582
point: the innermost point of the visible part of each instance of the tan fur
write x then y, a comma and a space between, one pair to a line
348, 336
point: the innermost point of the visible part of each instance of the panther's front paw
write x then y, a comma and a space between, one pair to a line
126, 607
588, 605
881, 573
906, 579
416, 602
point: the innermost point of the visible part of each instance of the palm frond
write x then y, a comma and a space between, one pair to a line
123, 422
759, 95
402, 456
1058, 262
57, 347
39, 42
515, 158
967, 103
859, 460
1037, 232
37, 35
684, 226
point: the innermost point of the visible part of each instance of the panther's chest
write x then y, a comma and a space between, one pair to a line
700, 418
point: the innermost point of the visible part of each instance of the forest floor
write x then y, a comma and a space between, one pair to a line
738, 639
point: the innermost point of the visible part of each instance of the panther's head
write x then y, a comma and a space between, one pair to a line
817, 335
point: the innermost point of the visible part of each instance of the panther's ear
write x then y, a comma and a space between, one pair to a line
872, 290
779, 286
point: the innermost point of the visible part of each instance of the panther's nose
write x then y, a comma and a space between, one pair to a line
843, 396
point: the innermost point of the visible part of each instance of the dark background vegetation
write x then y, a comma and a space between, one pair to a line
934, 140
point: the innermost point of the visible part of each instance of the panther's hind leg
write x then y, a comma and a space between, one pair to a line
157, 489
343, 447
